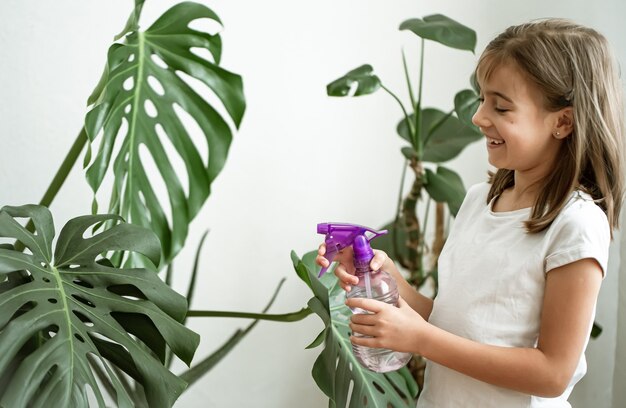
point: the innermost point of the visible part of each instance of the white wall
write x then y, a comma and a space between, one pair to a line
293, 164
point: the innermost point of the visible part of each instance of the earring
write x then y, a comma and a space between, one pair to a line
557, 134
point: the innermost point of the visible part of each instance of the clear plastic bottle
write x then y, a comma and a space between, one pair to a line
380, 286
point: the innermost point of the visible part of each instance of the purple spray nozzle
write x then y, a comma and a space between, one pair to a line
342, 235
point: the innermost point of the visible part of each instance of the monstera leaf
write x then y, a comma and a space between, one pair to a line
359, 81
336, 367
142, 109
442, 29
73, 312
444, 135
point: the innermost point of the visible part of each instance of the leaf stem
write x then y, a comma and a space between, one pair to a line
287, 317
406, 115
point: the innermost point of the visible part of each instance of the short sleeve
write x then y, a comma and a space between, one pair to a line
581, 231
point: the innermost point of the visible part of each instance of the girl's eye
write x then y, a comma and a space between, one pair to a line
500, 110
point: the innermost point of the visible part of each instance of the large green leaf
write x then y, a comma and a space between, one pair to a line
445, 186
75, 308
445, 135
336, 368
135, 107
359, 81
443, 30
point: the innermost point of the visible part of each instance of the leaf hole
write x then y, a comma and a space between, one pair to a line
159, 187
73, 266
79, 337
83, 300
150, 109
128, 108
46, 280
378, 387
127, 291
350, 393
129, 83
365, 400
131, 57
206, 25
51, 331
156, 85
203, 53
84, 319
52, 300
158, 61
82, 283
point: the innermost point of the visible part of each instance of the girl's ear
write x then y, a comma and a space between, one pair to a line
565, 123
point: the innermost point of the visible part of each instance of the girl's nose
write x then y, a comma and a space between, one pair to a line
479, 119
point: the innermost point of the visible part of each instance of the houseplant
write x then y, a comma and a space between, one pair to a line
93, 307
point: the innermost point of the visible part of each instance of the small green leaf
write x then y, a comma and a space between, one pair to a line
408, 152
465, 105
446, 186
443, 30
362, 79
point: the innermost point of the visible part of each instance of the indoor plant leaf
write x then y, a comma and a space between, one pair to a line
138, 116
465, 105
445, 135
445, 186
362, 79
336, 367
443, 30
75, 307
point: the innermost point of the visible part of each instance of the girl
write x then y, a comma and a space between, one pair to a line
522, 267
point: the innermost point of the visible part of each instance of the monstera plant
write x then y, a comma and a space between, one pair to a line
91, 310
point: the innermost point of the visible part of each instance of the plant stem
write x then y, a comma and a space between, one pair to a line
59, 178
413, 231
396, 222
418, 107
287, 317
408, 81
406, 115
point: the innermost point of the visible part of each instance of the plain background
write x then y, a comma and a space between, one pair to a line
300, 157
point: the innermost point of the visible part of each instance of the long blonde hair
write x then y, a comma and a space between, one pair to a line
573, 66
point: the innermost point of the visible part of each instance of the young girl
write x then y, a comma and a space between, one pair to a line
521, 270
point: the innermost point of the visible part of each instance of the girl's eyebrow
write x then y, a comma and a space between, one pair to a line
499, 94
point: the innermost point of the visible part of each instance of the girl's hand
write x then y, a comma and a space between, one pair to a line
345, 268
396, 328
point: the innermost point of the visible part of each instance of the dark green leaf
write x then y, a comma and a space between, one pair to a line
443, 30
446, 136
362, 79
409, 153
465, 105
135, 109
336, 368
393, 243
79, 307
445, 186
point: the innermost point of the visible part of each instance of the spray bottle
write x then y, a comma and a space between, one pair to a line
377, 285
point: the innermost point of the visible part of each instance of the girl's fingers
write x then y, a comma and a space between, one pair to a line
362, 329
378, 260
365, 341
371, 305
363, 319
322, 249
344, 276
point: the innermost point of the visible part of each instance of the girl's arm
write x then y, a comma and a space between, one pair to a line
569, 300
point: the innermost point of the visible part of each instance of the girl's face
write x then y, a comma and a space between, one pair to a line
519, 130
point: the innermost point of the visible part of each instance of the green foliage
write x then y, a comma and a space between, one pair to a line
141, 88
336, 368
73, 310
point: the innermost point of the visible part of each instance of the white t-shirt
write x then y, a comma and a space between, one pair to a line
491, 285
